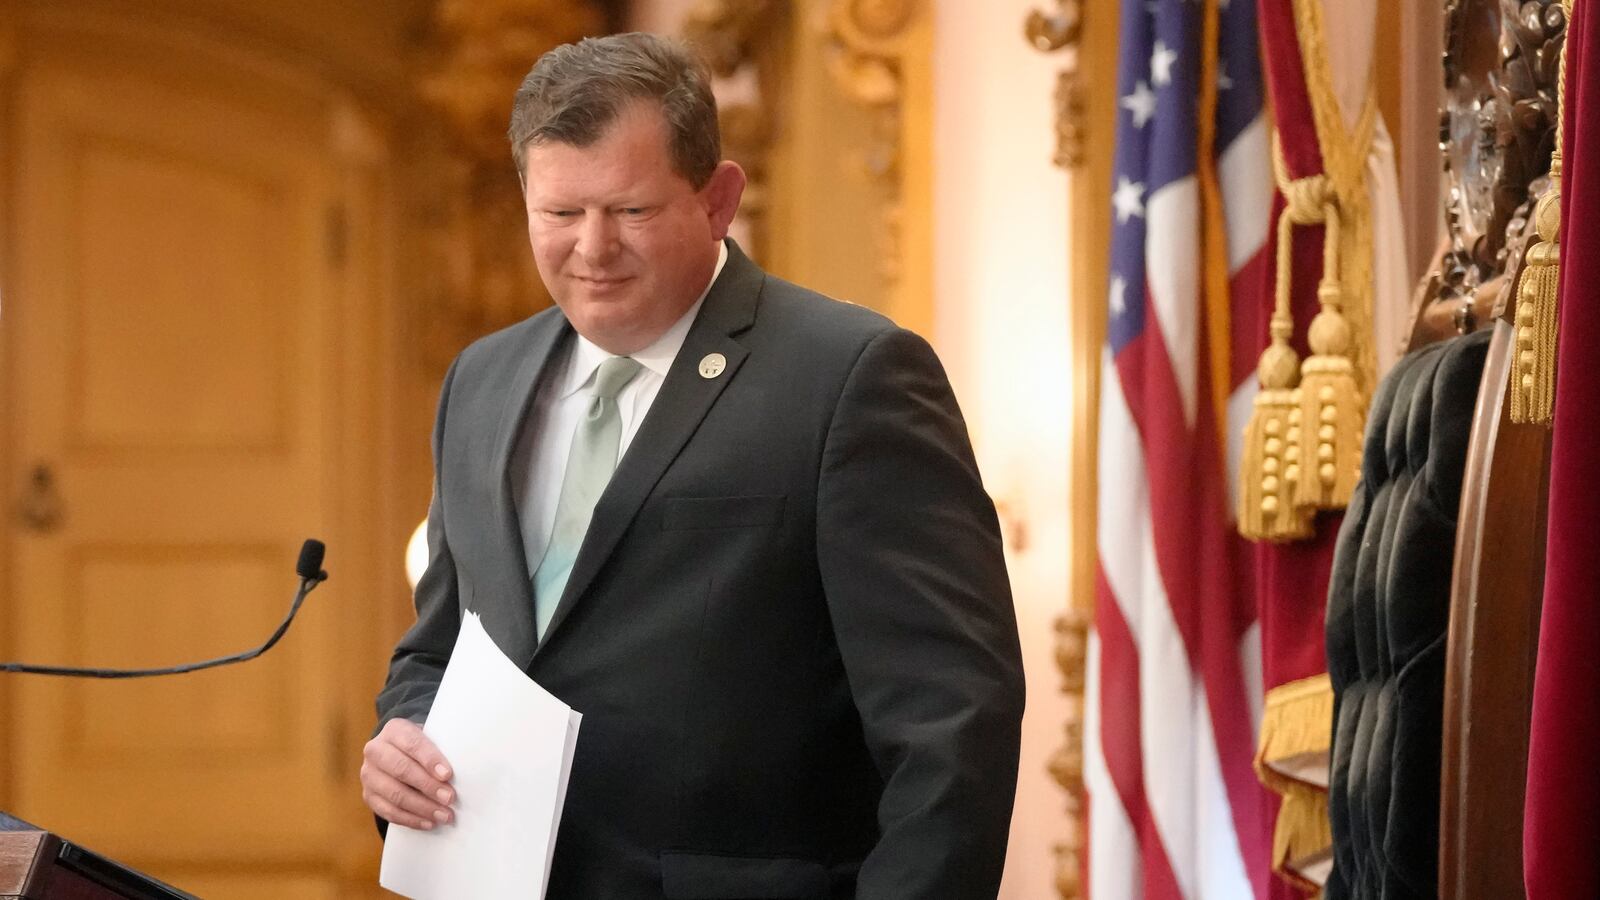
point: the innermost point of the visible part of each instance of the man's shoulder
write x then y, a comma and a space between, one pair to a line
800, 313
514, 340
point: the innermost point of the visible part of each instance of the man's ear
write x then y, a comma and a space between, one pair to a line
721, 196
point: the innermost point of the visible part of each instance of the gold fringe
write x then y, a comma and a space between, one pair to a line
1533, 384
1297, 733
1303, 834
1296, 722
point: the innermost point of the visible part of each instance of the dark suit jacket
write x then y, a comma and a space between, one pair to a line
789, 628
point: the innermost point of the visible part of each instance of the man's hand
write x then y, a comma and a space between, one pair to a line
404, 778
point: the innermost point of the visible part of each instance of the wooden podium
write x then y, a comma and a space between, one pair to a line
38, 865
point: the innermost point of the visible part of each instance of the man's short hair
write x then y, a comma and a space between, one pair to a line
576, 91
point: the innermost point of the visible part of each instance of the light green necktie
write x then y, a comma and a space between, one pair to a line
589, 466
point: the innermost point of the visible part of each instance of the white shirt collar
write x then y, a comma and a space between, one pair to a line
587, 356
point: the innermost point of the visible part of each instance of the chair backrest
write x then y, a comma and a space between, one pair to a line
1388, 611
1501, 115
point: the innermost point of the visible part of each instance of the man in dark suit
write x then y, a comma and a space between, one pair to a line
785, 614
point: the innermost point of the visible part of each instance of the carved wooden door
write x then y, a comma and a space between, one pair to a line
172, 387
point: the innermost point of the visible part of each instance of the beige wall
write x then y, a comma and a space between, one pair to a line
1001, 296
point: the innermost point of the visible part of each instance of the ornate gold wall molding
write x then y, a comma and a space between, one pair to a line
1085, 119
476, 273
1066, 766
745, 40
881, 55
1049, 33
865, 49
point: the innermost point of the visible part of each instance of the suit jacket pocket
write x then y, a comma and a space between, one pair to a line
720, 512
707, 876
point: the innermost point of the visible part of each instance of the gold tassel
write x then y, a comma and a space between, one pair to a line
1271, 462
1266, 496
1332, 408
1533, 384
1533, 380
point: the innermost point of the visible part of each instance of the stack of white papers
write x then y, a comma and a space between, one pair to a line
509, 743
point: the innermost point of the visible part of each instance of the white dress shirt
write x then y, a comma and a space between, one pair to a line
560, 401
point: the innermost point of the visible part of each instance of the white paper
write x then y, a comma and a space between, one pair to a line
510, 744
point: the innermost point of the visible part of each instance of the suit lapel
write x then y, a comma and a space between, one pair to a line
679, 407
546, 339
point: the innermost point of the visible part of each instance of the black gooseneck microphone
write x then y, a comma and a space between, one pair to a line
309, 568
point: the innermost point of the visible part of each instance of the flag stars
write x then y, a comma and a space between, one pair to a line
1224, 83
1119, 295
1128, 199
1161, 64
1142, 103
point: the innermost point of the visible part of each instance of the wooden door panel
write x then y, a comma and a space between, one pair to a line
149, 322
174, 598
171, 374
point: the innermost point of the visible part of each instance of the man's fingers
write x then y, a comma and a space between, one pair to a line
395, 816
402, 750
393, 761
399, 777
399, 802
408, 736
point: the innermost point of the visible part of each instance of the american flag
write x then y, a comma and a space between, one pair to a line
1174, 692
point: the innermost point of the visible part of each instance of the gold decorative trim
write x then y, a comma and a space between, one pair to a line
1089, 129
1292, 761
864, 57
880, 55
1049, 33
476, 273
1533, 380
739, 39
1066, 766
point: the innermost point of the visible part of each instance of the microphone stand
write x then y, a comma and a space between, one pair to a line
308, 583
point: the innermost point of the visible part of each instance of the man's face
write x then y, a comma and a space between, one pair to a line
624, 243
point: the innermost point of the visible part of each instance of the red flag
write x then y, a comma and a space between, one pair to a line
1291, 578
1561, 835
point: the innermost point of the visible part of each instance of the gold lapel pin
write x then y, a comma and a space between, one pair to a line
712, 365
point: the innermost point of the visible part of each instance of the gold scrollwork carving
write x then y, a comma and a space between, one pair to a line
735, 39
1066, 766
880, 18
1049, 33
1052, 31
867, 45
477, 274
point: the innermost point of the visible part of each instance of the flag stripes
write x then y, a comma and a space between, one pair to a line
1175, 809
